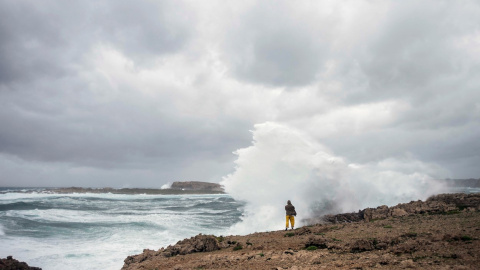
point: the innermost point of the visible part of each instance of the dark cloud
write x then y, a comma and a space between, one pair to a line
33, 44
278, 44
121, 91
126, 131
145, 29
49, 39
59, 111
414, 52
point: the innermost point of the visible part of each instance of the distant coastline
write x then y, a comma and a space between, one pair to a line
473, 183
177, 188
187, 187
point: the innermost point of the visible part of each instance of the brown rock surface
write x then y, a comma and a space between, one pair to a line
10, 263
440, 233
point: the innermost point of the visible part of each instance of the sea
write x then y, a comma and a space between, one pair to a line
99, 231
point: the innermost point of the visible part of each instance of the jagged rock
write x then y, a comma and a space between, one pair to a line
460, 200
437, 204
399, 212
146, 255
345, 217
199, 243
11, 264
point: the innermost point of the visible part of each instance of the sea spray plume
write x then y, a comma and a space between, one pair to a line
167, 185
283, 163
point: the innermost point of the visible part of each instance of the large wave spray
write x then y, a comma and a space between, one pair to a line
285, 164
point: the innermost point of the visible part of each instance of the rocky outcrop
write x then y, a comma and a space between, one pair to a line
473, 183
199, 243
438, 204
196, 185
440, 233
341, 218
11, 264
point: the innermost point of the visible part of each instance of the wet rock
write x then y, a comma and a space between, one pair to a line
10, 263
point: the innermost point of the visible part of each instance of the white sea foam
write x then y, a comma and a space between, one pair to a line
107, 252
167, 185
285, 164
98, 231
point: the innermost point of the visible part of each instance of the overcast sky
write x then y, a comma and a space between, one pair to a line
141, 93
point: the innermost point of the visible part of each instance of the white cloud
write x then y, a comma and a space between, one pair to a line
172, 88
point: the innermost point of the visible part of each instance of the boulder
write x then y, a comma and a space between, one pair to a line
199, 243
398, 212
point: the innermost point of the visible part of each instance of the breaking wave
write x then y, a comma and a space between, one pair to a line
285, 164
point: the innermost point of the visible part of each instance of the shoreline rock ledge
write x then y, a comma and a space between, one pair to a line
10, 263
442, 232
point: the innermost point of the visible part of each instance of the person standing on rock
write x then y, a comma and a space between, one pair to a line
291, 213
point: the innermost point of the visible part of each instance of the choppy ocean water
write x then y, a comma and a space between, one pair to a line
98, 231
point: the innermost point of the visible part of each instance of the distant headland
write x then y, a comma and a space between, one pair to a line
177, 188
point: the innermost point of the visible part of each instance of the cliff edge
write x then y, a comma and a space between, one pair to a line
441, 233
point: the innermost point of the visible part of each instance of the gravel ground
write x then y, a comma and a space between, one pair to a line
449, 240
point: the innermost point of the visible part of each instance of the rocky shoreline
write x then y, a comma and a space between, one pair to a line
131, 191
442, 232
177, 188
10, 263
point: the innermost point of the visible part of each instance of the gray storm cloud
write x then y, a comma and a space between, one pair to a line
119, 93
